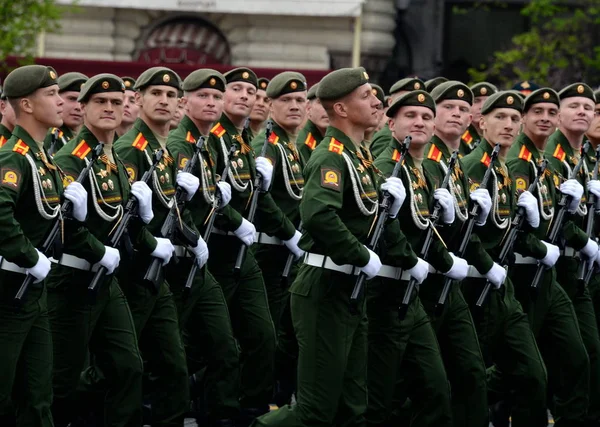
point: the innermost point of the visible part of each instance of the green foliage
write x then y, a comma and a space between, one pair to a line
561, 47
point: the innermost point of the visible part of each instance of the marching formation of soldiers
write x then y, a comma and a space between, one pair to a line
224, 243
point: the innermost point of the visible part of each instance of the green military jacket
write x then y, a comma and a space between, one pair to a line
308, 139
30, 191
242, 171
108, 191
5, 135
288, 182
468, 141
381, 140
64, 135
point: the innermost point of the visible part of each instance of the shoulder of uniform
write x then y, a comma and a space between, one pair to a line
81, 150
140, 142
310, 141
434, 153
218, 130
524, 154
21, 147
559, 153
336, 146
273, 138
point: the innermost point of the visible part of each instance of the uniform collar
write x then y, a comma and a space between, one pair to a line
5, 132
311, 128
143, 128
187, 125
24, 136
524, 141
440, 145
281, 133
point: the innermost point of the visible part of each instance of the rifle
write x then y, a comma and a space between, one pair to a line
57, 226
253, 201
384, 208
288, 264
586, 266
130, 211
468, 230
557, 224
54, 142
511, 238
211, 221
172, 224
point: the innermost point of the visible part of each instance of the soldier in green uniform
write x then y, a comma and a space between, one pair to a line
434, 82
378, 92
552, 317
7, 124
260, 110
481, 92
245, 290
131, 110
505, 335
30, 194
153, 307
383, 137
203, 314
105, 327
577, 104
70, 85
311, 134
338, 207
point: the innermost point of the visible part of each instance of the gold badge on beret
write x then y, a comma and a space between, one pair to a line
374, 92
293, 85
366, 76
546, 95
105, 85
166, 78
212, 81
263, 85
52, 75
245, 74
525, 85
483, 90
417, 85
580, 89
510, 100
81, 85
127, 83
421, 98
460, 93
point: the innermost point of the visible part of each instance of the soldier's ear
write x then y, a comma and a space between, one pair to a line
138, 98
340, 109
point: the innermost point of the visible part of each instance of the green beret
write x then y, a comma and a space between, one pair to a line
25, 80
204, 78
241, 74
452, 89
416, 98
286, 82
158, 76
129, 82
521, 94
340, 83
596, 94
2, 95
483, 89
432, 83
503, 99
409, 84
100, 84
378, 92
263, 82
71, 82
577, 89
538, 96
312, 92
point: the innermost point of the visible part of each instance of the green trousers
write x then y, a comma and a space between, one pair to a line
26, 355
404, 360
332, 358
462, 357
594, 287
507, 341
208, 337
250, 317
556, 329
105, 329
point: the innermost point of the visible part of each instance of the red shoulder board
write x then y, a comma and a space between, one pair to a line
82, 150
486, 159
218, 130
467, 137
2, 140
310, 141
336, 146
140, 142
189, 138
21, 148
559, 153
525, 154
434, 153
273, 138
396, 156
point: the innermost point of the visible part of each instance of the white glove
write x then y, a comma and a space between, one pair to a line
292, 244
552, 254
246, 232
143, 194
530, 203
78, 196
574, 189
420, 271
189, 182
447, 203
225, 190
395, 187
373, 266
593, 187
110, 260
201, 252
482, 197
459, 269
590, 249
41, 268
496, 275
164, 249
598, 258
265, 169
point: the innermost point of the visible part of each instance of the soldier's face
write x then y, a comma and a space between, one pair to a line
361, 107
45, 105
104, 111
260, 110
452, 118
204, 105
541, 119
239, 99
130, 109
576, 114
501, 126
478, 102
593, 132
288, 110
8, 114
418, 122
72, 113
317, 114
157, 103
178, 114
